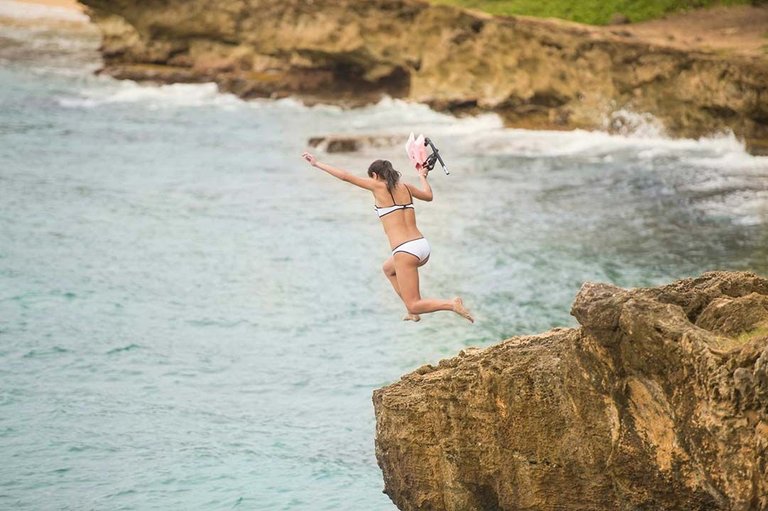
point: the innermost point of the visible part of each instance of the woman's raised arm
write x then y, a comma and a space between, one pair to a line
363, 182
425, 192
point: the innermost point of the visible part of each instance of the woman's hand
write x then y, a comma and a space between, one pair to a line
310, 158
421, 170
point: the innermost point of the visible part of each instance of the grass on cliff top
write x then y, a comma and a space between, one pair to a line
593, 12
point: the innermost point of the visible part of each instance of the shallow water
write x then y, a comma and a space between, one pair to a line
193, 318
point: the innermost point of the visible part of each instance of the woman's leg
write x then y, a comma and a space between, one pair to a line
389, 270
407, 274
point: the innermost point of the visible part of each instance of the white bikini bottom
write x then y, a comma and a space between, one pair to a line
418, 248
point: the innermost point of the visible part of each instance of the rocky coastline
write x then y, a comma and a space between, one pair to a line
534, 73
659, 400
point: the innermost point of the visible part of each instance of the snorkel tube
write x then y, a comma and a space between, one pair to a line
435, 156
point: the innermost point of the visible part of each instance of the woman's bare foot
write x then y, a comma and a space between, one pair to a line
458, 308
411, 317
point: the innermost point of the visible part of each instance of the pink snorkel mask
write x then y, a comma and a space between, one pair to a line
416, 148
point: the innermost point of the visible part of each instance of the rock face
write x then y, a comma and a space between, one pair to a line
658, 401
535, 73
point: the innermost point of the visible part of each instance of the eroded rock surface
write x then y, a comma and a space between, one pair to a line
535, 73
659, 400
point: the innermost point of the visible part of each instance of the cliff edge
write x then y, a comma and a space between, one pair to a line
659, 400
535, 73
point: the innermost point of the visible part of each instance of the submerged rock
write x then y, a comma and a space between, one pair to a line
534, 73
658, 401
350, 143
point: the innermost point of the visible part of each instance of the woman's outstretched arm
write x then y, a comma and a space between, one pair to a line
363, 182
425, 191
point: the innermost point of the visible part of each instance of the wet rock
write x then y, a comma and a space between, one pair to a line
657, 401
352, 143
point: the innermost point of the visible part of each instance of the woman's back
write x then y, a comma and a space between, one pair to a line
399, 222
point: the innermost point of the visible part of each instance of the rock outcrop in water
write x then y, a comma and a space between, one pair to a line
658, 401
535, 73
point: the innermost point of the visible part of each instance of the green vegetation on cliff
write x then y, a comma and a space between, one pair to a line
595, 12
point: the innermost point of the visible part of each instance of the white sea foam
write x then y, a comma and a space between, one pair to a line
633, 124
292, 103
29, 11
386, 116
623, 131
110, 91
412, 115
721, 151
641, 134
745, 207
152, 96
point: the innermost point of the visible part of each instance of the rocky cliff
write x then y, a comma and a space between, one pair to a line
535, 73
659, 400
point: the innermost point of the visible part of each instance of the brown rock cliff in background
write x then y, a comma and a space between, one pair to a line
658, 401
535, 73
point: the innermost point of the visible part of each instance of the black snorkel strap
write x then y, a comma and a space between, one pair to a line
434, 157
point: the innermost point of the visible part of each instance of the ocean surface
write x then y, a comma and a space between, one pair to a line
191, 317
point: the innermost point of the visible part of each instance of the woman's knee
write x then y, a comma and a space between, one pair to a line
388, 268
411, 306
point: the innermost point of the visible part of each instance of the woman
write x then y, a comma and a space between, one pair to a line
393, 201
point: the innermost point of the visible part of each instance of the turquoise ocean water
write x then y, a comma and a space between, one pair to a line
193, 318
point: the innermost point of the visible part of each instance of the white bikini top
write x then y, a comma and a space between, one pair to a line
381, 211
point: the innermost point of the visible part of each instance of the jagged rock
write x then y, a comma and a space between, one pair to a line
733, 316
659, 401
534, 73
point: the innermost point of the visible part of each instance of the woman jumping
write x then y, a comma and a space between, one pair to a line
409, 248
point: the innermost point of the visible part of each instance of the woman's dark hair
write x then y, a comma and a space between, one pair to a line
385, 171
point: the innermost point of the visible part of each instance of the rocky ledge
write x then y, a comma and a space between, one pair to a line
659, 400
534, 73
